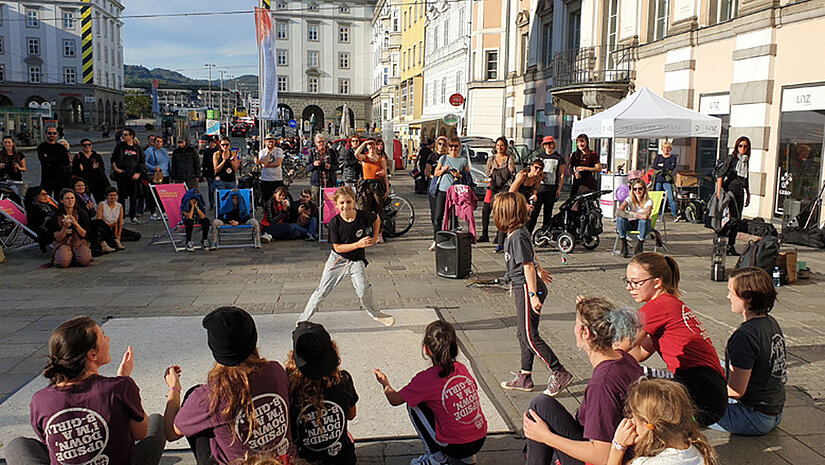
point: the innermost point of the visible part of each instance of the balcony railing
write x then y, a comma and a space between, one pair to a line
593, 65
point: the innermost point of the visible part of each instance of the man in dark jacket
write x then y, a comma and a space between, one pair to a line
186, 164
323, 164
55, 165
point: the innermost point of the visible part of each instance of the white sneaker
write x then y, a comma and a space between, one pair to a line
265, 238
154, 217
432, 247
426, 459
190, 247
134, 221
385, 319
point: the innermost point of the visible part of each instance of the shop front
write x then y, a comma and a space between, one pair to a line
799, 155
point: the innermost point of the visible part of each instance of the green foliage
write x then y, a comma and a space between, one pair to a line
138, 105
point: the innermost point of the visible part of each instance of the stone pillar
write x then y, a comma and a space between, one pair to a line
751, 97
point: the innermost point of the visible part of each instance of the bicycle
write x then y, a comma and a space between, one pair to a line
399, 216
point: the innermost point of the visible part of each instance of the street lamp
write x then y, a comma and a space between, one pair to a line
209, 66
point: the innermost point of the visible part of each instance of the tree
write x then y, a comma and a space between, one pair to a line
138, 105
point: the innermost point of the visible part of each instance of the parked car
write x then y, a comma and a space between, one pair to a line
239, 130
477, 150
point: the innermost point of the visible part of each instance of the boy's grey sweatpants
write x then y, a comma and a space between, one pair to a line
334, 270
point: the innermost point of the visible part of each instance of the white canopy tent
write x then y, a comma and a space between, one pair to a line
646, 115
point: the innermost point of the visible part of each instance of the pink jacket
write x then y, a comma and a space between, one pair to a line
464, 200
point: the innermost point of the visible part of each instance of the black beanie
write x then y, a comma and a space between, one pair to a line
231, 335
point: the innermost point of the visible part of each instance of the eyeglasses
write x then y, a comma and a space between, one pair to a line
455, 146
636, 284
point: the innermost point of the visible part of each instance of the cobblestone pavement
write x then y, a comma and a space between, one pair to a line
152, 280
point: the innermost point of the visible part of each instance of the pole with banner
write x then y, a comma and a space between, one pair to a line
155, 103
268, 67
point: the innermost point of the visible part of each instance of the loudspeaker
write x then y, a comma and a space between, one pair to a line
453, 254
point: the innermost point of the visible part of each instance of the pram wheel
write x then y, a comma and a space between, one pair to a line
566, 242
590, 243
541, 237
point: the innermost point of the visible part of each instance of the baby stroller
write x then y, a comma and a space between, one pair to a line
567, 227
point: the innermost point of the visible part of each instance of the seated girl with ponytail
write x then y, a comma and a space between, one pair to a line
670, 328
442, 401
83, 417
554, 436
660, 427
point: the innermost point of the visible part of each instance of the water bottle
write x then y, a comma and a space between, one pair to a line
777, 277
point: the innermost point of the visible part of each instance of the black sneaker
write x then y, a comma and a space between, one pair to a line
483, 238
732, 252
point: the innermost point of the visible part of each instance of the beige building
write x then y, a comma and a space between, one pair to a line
749, 62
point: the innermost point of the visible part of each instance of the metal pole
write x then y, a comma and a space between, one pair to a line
221, 102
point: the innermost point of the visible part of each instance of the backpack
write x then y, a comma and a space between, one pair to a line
758, 227
761, 253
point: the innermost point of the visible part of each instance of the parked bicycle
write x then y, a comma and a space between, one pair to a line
399, 216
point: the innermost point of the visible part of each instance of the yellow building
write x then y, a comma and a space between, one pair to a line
410, 91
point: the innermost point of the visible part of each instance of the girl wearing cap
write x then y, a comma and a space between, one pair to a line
322, 397
244, 406
442, 401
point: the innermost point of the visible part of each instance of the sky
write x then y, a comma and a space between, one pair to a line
185, 44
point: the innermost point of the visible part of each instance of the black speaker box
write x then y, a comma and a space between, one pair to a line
453, 254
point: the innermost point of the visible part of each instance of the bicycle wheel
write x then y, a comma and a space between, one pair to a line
399, 210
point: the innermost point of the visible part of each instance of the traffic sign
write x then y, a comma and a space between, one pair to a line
456, 100
450, 119
292, 123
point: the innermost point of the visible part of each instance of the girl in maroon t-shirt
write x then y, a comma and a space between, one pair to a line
670, 328
442, 400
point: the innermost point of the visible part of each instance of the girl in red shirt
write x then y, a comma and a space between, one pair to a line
672, 330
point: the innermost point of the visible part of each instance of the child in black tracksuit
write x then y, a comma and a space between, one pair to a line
528, 280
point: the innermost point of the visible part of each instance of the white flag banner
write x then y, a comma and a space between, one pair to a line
269, 70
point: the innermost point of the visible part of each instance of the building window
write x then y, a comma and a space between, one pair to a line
420, 51
69, 76
68, 20
313, 57
574, 22
461, 21
281, 5
312, 32
525, 55
32, 19
69, 48
312, 85
282, 57
443, 90
660, 18
343, 34
2, 46
414, 53
410, 97
395, 21
343, 9
34, 74
105, 55
459, 77
343, 60
723, 10
312, 6
33, 45
386, 76
547, 30
2, 73
343, 86
446, 32
282, 82
491, 64
280, 31
435, 37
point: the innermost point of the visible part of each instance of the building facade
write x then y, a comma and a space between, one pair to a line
322, 65
410, 89
446, 66
64, 57
386, 77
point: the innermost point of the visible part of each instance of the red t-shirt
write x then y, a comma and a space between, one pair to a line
678, 335
454, 401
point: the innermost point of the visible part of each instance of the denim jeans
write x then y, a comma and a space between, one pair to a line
210, 184
283, 231
625, 224
668, 188
311, 228
739, 419
224, 185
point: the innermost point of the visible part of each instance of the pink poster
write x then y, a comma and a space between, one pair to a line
170, 196
330, 210
11, 209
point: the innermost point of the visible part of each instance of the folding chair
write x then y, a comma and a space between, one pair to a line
168, 198
241, 235
17, 216
658, 198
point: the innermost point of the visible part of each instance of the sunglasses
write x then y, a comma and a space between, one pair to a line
536, 167
455, 146
743, 145
638, 189
51, 133
224, 145
87, 144
441, 143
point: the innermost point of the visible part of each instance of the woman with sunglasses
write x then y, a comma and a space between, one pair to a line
40, 208
449, 170
732, 177
500, 169
527, 183
89, 166
429, 169
351, 170
672, 330
634, 213
226, 165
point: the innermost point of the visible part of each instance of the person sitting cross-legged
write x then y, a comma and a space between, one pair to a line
234, 214
305, 215
276, 223
193, 210
635, 212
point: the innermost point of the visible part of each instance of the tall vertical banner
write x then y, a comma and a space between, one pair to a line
269, 66
155, 103
86, 41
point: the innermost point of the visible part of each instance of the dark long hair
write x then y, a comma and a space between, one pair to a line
735, 151
68, 346
441, 341
586, 140
14, 155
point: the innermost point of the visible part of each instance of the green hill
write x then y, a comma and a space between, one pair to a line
140, 76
